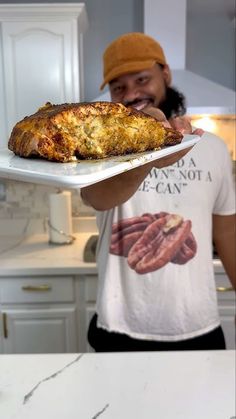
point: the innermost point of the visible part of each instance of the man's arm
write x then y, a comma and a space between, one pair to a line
115, 190
118, 189
225, 242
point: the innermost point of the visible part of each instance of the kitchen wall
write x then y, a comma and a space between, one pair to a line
107, 20
210, 49
210, 53
210, 40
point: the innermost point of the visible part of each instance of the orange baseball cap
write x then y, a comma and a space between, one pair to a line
130, 53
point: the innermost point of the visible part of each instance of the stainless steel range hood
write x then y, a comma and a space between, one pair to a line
203, 96
166, 22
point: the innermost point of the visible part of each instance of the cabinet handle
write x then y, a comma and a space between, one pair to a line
5, 331
224, 289
36, 288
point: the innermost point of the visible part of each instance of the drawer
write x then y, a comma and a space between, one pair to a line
37, 289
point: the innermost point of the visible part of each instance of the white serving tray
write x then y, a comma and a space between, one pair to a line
83, 172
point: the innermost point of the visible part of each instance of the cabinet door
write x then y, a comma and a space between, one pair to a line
40, 60
51, 330
227, 317
1, 333
227, 308
86, 286
89, 312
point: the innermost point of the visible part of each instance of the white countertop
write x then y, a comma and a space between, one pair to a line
149, 385
35, 255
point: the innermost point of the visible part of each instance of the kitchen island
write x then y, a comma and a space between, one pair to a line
150, 385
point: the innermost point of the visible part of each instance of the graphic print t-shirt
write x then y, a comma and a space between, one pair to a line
156, 278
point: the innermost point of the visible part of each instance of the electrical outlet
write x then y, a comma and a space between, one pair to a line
2, 192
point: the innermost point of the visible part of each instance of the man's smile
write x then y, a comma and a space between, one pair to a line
140, 104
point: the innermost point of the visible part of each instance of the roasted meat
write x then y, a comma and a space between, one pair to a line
88, 131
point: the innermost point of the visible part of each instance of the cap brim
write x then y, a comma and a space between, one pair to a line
127, 68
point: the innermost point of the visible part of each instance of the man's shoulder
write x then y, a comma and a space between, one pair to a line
210, 150
213, 141
211, 136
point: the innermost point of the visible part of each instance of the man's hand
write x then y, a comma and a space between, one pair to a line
183, 124
180, 123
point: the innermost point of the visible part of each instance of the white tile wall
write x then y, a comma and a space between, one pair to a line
27, 200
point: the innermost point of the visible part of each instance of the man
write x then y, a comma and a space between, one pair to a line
156, 288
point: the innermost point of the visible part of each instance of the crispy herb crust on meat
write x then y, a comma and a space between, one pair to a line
88, 131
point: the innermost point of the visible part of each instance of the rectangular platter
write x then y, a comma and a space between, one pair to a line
76, 175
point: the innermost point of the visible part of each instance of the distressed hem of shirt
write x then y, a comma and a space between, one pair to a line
164, 338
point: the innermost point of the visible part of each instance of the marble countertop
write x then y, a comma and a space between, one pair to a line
150, 385
35, 255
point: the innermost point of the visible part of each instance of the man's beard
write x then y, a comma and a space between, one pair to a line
174, 103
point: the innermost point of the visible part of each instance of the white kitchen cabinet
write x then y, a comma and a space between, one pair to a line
226, 304
41, 330
41, 58
227, 308
90, 310
86, 308
227, 316
38, 315
51, 314
1, 333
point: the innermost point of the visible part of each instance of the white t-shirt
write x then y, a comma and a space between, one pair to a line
166, 301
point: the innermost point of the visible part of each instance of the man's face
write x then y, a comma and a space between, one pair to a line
145, 88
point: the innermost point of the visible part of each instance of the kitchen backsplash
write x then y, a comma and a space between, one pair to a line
26, 205
30, 201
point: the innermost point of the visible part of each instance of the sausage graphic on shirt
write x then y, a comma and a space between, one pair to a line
151, 241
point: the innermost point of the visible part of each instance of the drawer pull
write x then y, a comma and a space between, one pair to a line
36, 288
224, 289
5, 331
